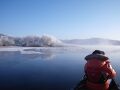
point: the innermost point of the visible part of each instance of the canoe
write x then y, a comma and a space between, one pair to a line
81, 85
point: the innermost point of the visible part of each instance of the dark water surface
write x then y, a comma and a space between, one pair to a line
47, 68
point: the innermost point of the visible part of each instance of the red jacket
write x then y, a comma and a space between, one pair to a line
95, 70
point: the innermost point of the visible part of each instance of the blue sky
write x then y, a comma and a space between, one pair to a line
65, 19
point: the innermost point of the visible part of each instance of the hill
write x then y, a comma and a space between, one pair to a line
92, 41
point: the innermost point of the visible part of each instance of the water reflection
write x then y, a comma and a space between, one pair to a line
29, 54
46, 54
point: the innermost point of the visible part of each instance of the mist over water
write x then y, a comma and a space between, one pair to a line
48, 67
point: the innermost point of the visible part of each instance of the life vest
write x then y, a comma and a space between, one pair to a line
97, 74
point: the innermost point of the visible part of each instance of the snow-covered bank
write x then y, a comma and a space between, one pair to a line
10, 48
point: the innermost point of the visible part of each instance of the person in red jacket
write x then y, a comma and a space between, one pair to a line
98, 71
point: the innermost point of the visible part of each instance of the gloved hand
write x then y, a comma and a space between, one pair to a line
107, 68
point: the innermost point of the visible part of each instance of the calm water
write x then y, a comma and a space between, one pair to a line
47, 68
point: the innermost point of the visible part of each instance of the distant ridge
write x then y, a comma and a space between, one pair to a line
92, 41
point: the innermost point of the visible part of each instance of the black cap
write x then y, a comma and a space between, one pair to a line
97, 54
